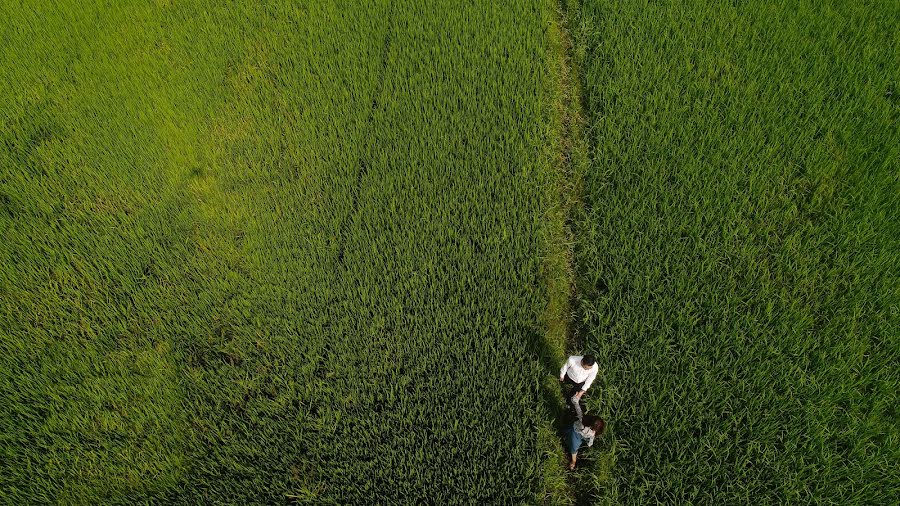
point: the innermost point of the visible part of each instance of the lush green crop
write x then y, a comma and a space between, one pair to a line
318, 251
738, 250
264, 252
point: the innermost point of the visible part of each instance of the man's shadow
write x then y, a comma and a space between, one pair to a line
554, 393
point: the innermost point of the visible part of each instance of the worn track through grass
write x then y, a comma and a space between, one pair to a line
362, 161
570, 160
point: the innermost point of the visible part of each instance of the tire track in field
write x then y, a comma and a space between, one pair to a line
362, 169
332, 309
362, 162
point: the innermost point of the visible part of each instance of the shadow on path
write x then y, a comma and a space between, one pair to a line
553, 394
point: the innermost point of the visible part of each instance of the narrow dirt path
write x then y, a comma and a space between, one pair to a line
570, 161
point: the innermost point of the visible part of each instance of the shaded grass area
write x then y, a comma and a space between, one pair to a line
737, 255
268, 253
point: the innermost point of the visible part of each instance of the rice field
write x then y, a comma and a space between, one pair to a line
737, 251
324, 252
276, 253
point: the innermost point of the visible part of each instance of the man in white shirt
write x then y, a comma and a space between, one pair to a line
579, 371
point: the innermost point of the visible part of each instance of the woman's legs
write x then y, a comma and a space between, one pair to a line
574, 443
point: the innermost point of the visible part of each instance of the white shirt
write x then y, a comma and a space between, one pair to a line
573, 369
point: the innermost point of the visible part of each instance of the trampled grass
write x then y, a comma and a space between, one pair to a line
738, 252
268, 253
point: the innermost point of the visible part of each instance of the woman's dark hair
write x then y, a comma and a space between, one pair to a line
595, 423
588, 360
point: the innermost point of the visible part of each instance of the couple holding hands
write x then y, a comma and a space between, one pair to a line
580, 371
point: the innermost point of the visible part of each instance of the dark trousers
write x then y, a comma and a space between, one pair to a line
569, 381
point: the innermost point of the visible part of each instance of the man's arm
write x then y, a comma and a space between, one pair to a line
562, 372
590, 379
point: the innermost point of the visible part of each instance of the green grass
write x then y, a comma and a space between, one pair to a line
266, 253
320, 252
738, 250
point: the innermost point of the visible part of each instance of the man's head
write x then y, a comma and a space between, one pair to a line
588, 361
